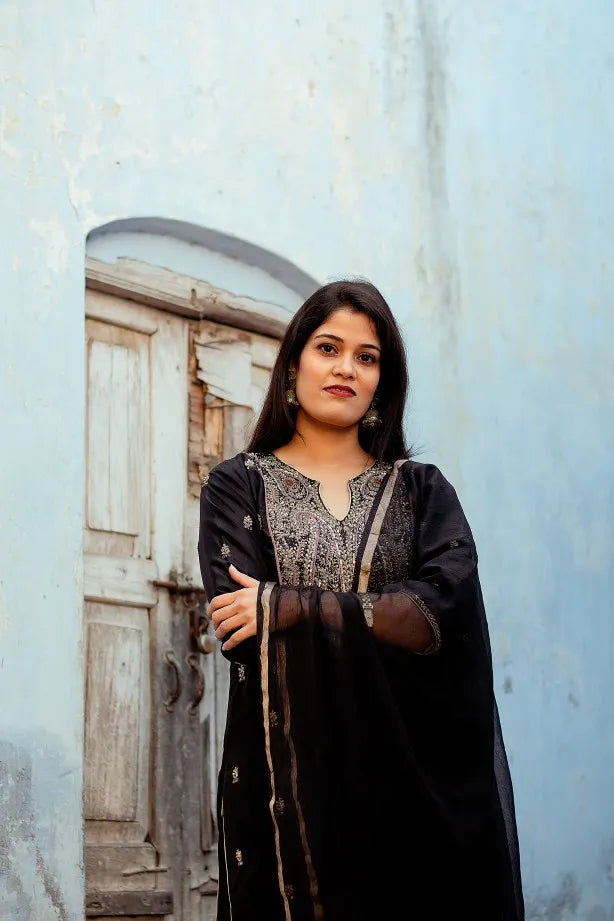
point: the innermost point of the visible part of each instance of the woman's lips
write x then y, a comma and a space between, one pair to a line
340, 391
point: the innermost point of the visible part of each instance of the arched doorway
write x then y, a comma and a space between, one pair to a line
182, 329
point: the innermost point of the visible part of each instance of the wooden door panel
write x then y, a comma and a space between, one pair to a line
117, 723
129, 867
118, 470
120, 580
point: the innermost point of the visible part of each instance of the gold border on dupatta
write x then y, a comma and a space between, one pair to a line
318, 911
264, 679
376, 527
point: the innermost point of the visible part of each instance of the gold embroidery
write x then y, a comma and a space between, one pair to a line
425, 611
205, 479
367, 608
239, 857
280, 805
289, 890
313, 547
225, 551
235, 774
274, 719
247, 522
241, 672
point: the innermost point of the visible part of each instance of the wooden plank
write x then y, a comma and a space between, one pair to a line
128, 904
213, 436
189, 297
100, 359
113, 691
238, 421
124, 480
112, 867
117, 724
167, 785
264, 351
140, 445
120, 580
146, 917
225, 366
119, 312
260, 384
207, 823
168, 432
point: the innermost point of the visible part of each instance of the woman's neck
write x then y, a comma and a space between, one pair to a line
323, 447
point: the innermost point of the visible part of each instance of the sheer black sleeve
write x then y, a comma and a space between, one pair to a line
425, 611
428, 610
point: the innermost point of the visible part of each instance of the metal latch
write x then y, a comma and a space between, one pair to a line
194, 600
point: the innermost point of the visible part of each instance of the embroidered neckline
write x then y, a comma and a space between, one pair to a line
277, 461
319, 482
312, 546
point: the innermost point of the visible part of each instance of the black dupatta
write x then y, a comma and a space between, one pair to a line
389, 792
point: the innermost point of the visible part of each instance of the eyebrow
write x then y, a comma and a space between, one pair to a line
363, 345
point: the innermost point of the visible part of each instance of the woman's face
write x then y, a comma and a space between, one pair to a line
339, 369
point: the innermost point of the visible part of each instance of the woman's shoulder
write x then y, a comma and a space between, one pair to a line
232, 469
424, 475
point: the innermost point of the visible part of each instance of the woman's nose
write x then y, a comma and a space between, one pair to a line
345, 366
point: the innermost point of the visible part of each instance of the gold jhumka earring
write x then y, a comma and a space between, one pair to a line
371, 418
291, 391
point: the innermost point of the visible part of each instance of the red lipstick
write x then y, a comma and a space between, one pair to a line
339, 390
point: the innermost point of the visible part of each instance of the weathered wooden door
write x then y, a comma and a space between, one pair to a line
167, 398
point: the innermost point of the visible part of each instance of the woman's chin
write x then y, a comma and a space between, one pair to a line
337, 417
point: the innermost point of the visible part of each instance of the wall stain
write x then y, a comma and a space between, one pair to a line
442, 288
561, 905
28, 888
51, 886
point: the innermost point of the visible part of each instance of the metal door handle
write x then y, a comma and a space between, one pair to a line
171, 700
194, 665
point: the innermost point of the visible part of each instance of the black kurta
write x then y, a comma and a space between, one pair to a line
363, 774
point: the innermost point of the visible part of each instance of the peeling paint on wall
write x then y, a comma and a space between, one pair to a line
9, 121
57, 246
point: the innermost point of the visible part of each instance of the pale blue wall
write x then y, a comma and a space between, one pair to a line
514, 296
460, 155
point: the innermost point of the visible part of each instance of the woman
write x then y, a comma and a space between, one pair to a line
363, 774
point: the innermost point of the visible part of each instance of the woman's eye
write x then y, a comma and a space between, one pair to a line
326, 345
367, 358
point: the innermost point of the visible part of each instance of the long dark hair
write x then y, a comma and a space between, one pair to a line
277, 421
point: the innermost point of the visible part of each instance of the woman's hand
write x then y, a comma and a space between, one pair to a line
235, 610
